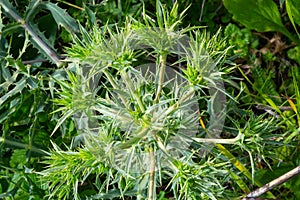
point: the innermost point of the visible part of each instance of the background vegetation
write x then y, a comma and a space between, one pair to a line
52, 50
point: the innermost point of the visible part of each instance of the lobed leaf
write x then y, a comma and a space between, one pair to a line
60, 16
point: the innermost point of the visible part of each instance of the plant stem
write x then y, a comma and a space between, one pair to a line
152, 175
21, 145
52, 54
187, 95
285, 177
219, 141
129, 143
132, 90
115, 86
162, 68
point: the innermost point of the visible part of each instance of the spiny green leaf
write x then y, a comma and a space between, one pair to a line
91, 16
45, 50
10, 10
60, 15
11, 28
66, 115
18, 88
159, 14
49, 31
8, 112
31, 10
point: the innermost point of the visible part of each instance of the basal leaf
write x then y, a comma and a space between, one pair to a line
260, 15
292, 8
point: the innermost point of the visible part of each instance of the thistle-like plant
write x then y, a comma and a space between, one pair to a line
37, 38
135, 120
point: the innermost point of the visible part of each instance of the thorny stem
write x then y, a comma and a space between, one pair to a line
162, 69
43, 45
31, 32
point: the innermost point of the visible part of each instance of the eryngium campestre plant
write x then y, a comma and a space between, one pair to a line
136, 122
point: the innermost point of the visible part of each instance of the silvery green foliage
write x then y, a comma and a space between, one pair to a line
136, 120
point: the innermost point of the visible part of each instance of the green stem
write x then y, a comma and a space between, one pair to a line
132, 90
115, 86
135, 139
162, 69
110, 79
120, 9
187, 95
219, 141
52, 54
21, 145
